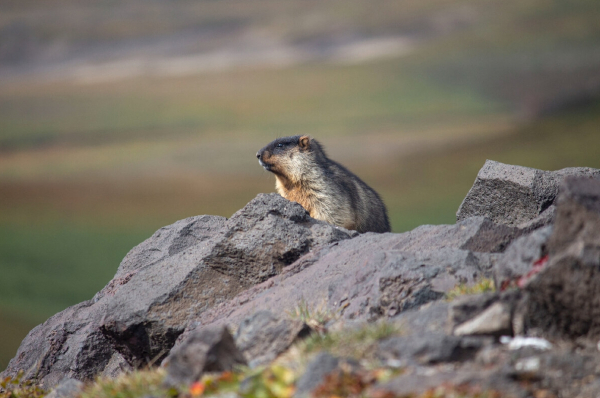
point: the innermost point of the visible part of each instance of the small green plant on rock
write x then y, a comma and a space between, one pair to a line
484, 285
315, 317
12, 387
356, 343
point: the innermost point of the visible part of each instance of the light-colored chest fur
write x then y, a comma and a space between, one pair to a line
321, 202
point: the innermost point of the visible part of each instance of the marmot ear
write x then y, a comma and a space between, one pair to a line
304, 142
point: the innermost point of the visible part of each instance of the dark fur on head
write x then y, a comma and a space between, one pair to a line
326, 189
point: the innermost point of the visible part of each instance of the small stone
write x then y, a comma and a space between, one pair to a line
263, 336
468, 307
494, 321
528, 365
321, 365
205, 350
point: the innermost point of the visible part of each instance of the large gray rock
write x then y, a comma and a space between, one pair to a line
255, 244
374, 275
165, 283
564, 297
516, 195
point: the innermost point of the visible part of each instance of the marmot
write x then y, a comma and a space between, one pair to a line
326, 189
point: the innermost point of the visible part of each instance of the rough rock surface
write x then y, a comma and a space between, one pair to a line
206, 350
522, 373
519, 257
515, 195
374, 275
166, 282
263, 336
431, 358
428, 348
67, 388
564, 297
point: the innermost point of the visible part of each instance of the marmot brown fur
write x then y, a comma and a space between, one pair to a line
326, 189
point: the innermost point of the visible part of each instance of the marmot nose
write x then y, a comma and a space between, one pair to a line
258, 155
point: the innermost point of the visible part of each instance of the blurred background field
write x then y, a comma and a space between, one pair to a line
117, 118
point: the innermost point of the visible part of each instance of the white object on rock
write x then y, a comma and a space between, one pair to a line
528, 365
519, 342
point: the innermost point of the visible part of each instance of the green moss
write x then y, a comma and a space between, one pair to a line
483, 285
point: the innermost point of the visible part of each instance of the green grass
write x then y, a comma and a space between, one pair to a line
13, 327
47, 268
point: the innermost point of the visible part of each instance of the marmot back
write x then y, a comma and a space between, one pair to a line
326, 189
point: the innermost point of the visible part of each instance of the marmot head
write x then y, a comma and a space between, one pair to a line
289, 157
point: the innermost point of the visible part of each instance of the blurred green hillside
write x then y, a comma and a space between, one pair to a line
93, 160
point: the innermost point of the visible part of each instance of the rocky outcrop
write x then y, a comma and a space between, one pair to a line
564, 296
516, 195
557, 269
374, 275
165, 284
178, 294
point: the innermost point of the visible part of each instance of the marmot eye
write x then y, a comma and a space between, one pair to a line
280, 145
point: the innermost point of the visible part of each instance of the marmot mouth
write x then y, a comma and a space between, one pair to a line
266, 166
